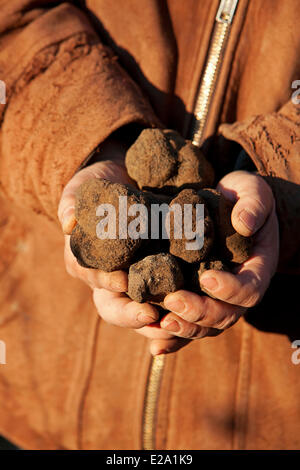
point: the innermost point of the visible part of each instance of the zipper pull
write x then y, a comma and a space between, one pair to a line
226, 11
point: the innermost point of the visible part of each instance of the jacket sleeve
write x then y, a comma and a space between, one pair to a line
273, 143
65, 94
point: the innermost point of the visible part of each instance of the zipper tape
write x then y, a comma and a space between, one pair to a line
212, 68
151, 399
203, 101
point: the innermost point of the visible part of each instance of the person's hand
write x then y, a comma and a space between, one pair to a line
112, 304
192, 316
202, 316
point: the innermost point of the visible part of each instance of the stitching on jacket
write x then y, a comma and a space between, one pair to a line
242, 390
86, 387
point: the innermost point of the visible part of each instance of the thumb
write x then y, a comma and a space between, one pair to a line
111, 170
66, 208
66, 212
254, 201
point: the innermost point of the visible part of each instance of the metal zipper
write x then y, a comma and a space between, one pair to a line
203, 101
151, 400
212, 68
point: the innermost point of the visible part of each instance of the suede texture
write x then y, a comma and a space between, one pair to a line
76, 72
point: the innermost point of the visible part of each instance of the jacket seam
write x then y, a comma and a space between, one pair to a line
82, 401
242, 390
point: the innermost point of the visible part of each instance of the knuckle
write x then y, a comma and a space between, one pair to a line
110, 283
137, 317
201, 332
203, 309
130, 311
252, 300
134, 316
192, 315
190, 332
253, 296
259, 205
226, 322
230, 297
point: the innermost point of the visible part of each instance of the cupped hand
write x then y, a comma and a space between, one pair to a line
109, 289
192, 316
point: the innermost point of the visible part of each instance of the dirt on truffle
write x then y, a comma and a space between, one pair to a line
218, 265
108, 254
169, 170
152, 278
231, 246
193, 273
178, 247
163, 160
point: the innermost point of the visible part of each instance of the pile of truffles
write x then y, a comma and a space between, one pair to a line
167, 170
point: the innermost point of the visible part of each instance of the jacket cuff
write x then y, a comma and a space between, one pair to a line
273, 144
76, 98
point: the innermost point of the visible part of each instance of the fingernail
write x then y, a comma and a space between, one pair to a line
172, 326
68, 225
176, 306
248, 219
144, 318
68, 220
209, 283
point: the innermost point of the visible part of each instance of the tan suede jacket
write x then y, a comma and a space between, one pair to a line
74, 73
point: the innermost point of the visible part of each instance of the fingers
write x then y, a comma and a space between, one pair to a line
244, 289
67, 217
254, 200
105, 169
247, 287
118, 309
194, 313
115, 281
233, 293
179, 338
154, 331
66, 208
185, 329
166, 346
161, 342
